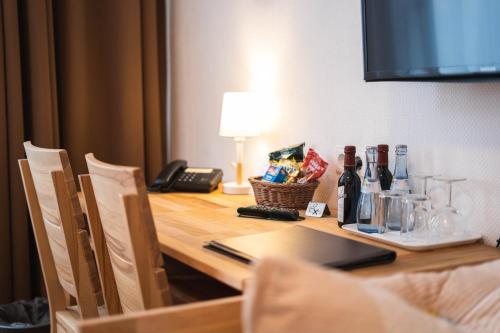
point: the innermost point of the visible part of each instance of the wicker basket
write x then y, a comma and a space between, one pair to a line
295, 195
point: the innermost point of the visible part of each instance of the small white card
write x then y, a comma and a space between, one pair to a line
317, 209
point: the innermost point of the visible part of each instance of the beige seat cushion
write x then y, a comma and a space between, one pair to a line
288, 296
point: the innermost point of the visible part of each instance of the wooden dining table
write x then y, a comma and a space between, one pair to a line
185, 222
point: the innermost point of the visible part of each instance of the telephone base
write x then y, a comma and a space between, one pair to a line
235, 188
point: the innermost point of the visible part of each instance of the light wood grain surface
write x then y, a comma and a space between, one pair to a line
55, 292
185, 221
221, 316
103, 261
121, 198
48, 172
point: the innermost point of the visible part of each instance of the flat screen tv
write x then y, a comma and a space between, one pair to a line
431, 39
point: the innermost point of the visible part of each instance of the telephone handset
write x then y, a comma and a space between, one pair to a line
177, 176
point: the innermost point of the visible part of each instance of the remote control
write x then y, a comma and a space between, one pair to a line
270, 213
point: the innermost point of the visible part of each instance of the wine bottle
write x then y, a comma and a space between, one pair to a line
400, 179
366, 211
349, 188
384, 175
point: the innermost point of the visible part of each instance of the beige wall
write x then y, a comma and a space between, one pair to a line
309, 55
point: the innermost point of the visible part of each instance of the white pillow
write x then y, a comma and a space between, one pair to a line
288, 296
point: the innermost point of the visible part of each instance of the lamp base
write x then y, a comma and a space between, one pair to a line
235, 188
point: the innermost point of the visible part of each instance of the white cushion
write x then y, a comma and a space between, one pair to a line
288, 296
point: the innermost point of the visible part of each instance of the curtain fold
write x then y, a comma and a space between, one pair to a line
154, 73
110, 67
15, 267
84, 75
39, 72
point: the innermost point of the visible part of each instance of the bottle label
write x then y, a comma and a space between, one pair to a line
371, 186
400, 185
340, 204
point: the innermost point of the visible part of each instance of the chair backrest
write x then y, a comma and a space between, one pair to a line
220, 315
103, 261
130, 233
55, 292
64, 224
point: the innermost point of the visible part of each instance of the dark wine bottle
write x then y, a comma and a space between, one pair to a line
384, 174
349, 189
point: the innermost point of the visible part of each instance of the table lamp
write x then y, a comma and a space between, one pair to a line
239, 120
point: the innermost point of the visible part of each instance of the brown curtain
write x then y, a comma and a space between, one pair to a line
84, 75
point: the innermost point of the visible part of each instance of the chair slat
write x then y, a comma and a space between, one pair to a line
55, 291
55, 211
107, 278
127, 222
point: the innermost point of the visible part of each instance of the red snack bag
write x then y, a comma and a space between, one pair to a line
313, 167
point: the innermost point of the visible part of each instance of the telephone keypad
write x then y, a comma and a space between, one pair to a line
188, 177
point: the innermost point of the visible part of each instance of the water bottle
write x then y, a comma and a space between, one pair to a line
400, 176
366, 214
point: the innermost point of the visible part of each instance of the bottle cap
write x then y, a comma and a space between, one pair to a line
383, 148
382, 158
349, 158
350, 150
371, 153
401, 149
371, 149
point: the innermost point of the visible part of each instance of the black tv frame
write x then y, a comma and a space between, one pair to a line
462, 73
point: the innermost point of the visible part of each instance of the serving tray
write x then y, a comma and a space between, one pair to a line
394, 238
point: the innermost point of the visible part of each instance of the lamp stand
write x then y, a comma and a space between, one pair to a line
239, 186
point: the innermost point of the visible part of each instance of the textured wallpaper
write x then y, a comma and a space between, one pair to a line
308, 55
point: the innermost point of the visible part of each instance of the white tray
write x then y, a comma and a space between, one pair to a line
394, 238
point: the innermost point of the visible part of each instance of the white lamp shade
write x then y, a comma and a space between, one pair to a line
240, 115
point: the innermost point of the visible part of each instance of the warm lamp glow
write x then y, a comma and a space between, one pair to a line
239, 119
263, 72
263, 76
240, 115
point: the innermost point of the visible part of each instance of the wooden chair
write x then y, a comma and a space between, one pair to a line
106, 275
66, 257
127, 221
221, 316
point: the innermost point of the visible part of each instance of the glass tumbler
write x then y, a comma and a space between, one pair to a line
390, 208
416, 217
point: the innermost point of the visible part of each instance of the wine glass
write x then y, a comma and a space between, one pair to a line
448, 221
416, 217
425, 178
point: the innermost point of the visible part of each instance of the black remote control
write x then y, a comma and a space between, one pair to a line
270, 213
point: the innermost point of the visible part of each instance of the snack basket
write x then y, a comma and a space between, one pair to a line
295, 195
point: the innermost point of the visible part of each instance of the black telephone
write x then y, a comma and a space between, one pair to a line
177, 176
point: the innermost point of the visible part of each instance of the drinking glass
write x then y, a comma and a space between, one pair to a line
374, 207
415, 220
448, 221
390, 208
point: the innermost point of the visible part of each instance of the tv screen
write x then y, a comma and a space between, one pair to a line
431, 39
